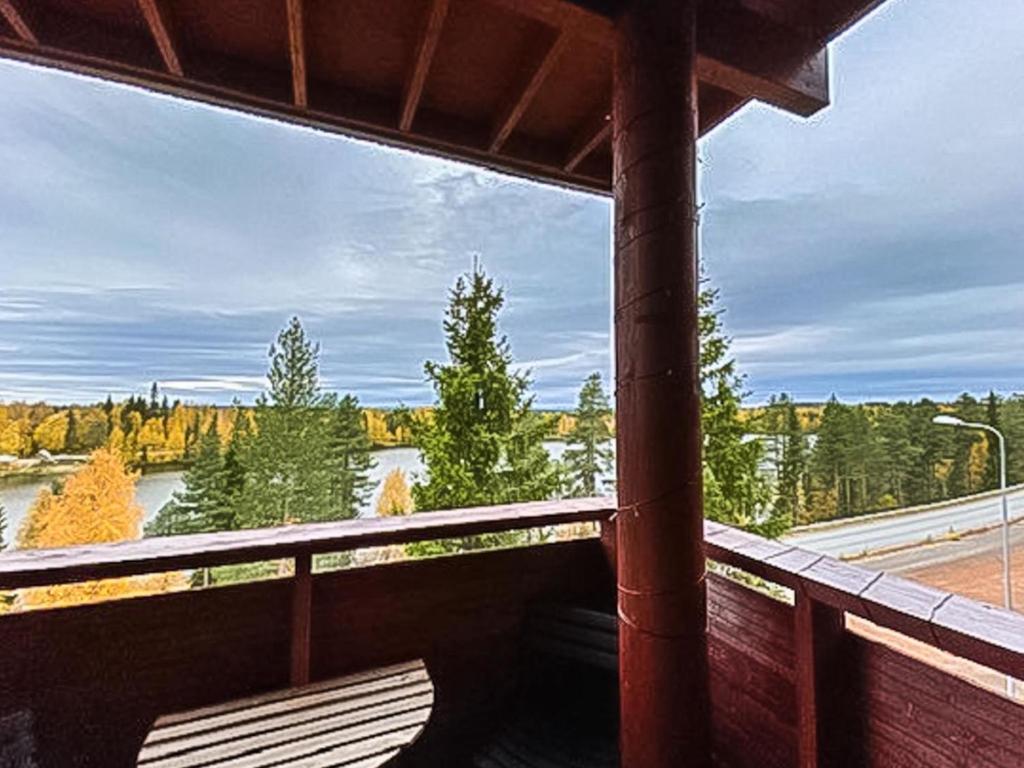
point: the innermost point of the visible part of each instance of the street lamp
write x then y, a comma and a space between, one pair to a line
945, 420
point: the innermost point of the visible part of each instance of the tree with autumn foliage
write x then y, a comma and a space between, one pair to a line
395, 497
95, 505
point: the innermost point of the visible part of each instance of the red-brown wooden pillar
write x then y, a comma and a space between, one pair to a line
661, 595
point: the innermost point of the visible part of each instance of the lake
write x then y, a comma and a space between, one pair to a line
154, 490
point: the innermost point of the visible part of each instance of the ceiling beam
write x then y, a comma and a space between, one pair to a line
739, 47
716, 106
10, 9
594, 132
156, 19
297, 52
755, 57
417, 78
526, 89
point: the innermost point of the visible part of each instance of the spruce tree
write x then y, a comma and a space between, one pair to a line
789, 457
349, 457
482, 444
234, 469
588, 456
736, 493
202, 506
287, 460
153, 408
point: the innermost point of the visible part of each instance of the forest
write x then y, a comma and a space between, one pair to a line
302, 454
836, 459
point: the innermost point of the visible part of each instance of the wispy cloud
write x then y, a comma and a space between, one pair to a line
874, 250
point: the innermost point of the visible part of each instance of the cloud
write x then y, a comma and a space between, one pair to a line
872, 250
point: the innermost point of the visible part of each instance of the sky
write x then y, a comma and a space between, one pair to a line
874, 251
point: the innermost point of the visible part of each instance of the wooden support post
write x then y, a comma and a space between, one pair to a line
663, 671
302, 605
818, 637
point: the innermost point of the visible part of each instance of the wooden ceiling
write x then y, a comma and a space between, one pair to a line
522, 86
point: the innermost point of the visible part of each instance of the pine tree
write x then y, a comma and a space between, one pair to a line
962, 481
395, 497
348, 457
990, 479
482, 444
736, 493
234, 469
789, 457
588, 456
287, 460
203, 504
153, 409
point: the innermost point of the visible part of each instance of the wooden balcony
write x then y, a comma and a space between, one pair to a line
790, 685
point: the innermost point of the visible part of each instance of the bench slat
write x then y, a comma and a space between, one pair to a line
362, 720
287, 693
299, 701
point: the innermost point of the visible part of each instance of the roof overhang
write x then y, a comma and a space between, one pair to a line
522, 86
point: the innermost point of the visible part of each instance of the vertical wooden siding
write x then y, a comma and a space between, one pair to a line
886, 710
95, 677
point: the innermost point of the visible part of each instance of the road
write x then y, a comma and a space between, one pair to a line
872, 533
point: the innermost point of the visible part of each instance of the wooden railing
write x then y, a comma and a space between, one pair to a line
825, 589
47, 567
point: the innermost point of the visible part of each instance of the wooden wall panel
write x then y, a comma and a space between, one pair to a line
750, 645
917, 715
95, 677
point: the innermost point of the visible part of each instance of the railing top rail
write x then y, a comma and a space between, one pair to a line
45, 567
963, 627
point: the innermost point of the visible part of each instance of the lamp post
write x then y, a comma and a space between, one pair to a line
945, 420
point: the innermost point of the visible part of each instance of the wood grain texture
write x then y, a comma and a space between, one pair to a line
25, 568
365, 717
302, 619
372, 59
592, 134
523, 91
97, 677
982, 633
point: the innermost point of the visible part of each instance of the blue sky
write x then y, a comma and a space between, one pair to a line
875, 251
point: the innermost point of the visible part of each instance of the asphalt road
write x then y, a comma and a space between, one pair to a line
949, 552
865, 535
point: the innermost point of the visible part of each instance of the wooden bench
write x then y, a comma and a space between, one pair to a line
565, 714
359, 721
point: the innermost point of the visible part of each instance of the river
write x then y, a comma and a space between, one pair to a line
153, 490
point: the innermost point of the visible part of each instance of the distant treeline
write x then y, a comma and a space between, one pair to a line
836, 460
154, 430
142, 430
